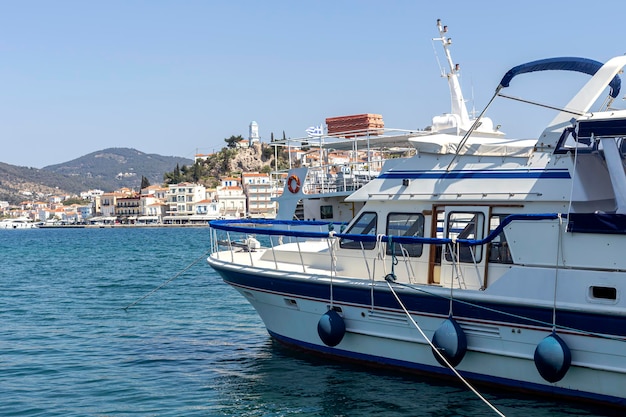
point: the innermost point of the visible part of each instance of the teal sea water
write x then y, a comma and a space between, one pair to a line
192, 348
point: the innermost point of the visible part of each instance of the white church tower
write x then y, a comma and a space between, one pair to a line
254, 133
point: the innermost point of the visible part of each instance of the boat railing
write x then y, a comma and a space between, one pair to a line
345, 177
362, 154
254, 235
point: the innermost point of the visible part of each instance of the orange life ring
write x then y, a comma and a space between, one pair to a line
293, 184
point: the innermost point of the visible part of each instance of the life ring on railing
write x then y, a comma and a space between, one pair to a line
293, 183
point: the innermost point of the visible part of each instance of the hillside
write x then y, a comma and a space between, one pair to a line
119, 167
22, 183
259, 157
107, 170
114, 168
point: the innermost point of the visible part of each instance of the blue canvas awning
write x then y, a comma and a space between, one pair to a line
584, 65
608, 128
602, 223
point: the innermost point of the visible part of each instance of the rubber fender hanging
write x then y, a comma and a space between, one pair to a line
331, 328
552, 358
450, 341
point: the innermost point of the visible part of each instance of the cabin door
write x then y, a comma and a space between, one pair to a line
464, 266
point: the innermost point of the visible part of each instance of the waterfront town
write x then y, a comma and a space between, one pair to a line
245, 194
250, 195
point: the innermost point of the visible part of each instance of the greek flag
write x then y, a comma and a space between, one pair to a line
315, 131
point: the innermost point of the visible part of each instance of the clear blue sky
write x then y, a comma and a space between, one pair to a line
177, 77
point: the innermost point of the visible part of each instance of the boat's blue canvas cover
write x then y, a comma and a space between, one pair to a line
613, 128
606, 223
584, 65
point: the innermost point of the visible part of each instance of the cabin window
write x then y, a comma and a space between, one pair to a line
364, 225
326, 212
405, 224
569, 142
499, 249
464, 225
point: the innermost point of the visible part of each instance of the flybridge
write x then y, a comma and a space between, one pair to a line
451, 144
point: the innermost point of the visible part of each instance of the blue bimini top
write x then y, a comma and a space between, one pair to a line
584, 65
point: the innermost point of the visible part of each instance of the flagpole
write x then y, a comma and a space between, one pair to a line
322, 154
318, 132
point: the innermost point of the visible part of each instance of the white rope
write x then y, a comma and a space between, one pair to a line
333, 255
332, 267
479, 278
571, 191
367, 265
556, 272
167, 282
381, 255
300, 253
407, 263
434, 348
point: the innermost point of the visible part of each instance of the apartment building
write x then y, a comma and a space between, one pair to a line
231, 198
181, 199
259, 191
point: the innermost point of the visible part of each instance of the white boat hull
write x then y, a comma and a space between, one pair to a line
499, 352
15, 224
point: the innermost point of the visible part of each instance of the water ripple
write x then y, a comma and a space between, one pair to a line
193, 348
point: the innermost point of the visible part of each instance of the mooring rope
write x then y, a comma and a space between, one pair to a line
168, 281
559, 254
434, 348
517, 316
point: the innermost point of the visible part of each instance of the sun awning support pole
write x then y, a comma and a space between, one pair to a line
472, 128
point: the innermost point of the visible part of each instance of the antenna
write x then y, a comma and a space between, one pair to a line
445, 42
456, 94
473, 112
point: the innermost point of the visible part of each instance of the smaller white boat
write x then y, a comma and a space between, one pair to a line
17, 223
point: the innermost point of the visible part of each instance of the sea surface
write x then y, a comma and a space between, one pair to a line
133, 322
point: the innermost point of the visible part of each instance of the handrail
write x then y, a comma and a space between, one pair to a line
235, 226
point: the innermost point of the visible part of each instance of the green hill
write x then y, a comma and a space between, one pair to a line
107, 170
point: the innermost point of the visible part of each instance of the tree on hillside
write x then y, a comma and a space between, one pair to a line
208, 171
75, 200
267, 153
196, 172
144, 182
173, 177
232, 141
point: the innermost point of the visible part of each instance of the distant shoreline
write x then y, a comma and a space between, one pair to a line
116, 226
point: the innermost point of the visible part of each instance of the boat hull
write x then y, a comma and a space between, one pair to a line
17, 225
501, 337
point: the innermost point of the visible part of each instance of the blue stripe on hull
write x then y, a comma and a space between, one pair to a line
472, 174
485, 312
444, 372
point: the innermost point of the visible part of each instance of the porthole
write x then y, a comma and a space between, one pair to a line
603, 293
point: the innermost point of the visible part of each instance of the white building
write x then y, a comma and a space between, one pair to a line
231, 199
206, 210
253, 135
259, 191
181, 199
